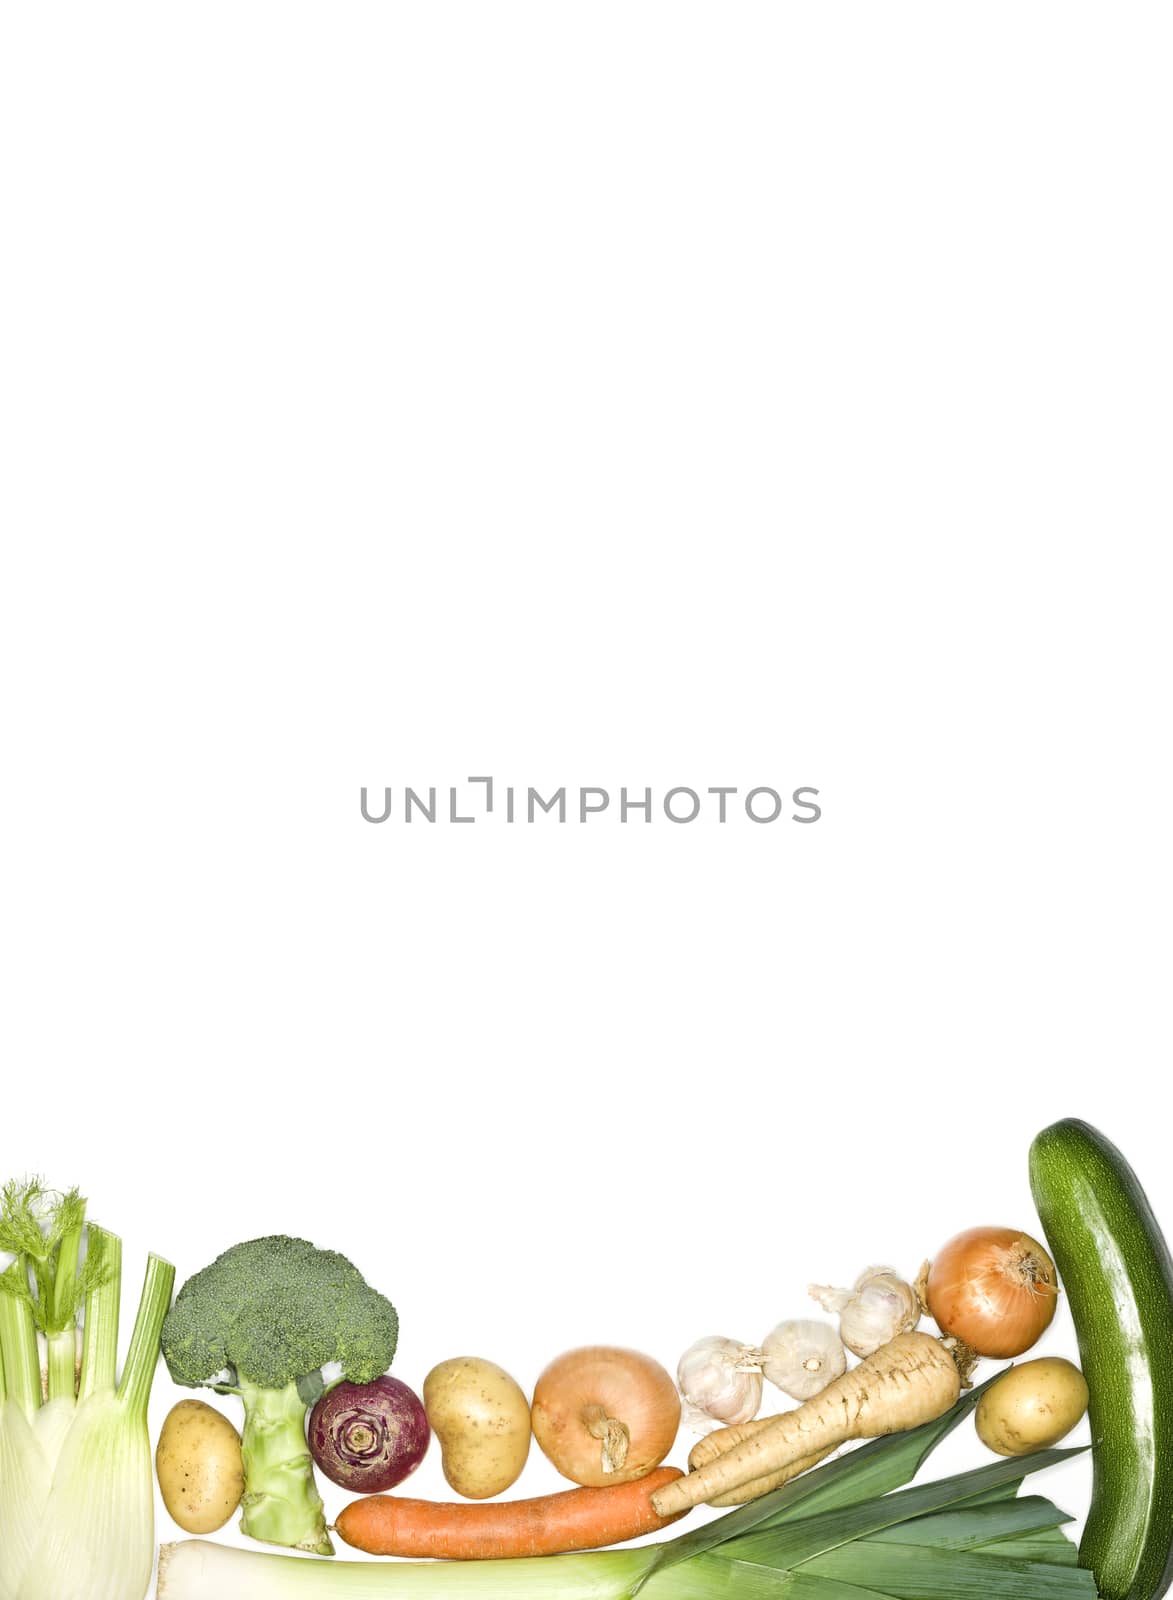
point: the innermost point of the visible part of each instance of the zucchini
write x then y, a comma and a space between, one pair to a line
1114, 1264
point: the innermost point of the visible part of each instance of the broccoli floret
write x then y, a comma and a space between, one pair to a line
262, 1321
276, 1311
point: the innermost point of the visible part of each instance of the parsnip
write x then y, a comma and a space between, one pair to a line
908, 1381
711, 1445
715, 1444
772, 1480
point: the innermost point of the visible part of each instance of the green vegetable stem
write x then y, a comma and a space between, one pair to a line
281, 1498
262, 1321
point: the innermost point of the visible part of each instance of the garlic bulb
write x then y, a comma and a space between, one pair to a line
722, 1379
803, 1357
880, 1306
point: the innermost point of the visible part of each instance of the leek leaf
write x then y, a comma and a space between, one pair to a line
936, 1574
1054, 1546
805, 1586
971, 1526
790, 1545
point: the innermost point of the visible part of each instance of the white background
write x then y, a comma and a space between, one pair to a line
613, 394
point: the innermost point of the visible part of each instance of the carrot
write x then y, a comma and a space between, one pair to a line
909, 1380
574, 1519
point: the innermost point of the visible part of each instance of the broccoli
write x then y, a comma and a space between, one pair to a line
261, 1322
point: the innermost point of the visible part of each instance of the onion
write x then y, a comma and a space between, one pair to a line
605, 1415
995, 1289
369, 1436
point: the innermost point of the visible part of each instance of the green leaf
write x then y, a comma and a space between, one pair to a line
707, 1577
1001, 1491
861, 1474
969, 1526
1054, 1546
14, 1282
797, 1542
936, 1574
22, 1208
311, 1388
43, 1228
805, 1586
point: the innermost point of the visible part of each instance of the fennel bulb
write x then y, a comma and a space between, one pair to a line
76, 1492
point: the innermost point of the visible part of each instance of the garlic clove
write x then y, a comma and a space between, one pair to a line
802, 1356
879, 1306
721, 1379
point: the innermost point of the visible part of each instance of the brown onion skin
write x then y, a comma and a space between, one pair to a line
630, 1387
368, 1437
977, 1291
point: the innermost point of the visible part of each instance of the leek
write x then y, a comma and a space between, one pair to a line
845, 1531
76, 1493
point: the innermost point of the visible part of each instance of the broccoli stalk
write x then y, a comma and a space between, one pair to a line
262, 1321
281, 1503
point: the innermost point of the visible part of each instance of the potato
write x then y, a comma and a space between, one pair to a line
199, 1467
1032, 1406
481, 1418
